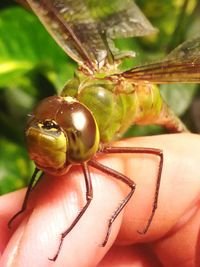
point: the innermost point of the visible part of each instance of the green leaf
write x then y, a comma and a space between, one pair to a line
178, 96
15, 167
25, 45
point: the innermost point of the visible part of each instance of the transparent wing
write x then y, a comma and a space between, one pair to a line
120, 19
182, 65
81, 26
23, 3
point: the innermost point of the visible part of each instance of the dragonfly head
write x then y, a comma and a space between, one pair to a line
61, 132
47, 145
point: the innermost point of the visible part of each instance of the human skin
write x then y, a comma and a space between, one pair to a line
173, 238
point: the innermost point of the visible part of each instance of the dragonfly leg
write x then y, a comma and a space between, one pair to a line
141, 150
124, 179
89, 196
26, 198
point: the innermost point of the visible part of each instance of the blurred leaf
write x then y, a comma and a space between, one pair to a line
139, 130
22, 49
178, 96
15, 167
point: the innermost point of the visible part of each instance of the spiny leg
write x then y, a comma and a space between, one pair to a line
89, 196
141, 150
27, 195
124, 179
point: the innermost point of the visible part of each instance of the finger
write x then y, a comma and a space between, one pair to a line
9, 204
65, 193
56, 202
181, 247
179, 189
129, 256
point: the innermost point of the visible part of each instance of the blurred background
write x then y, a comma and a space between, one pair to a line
32, 67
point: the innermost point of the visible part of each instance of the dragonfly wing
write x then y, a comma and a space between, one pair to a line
121, 19
182, 65
23, 3
71, 25
188, 50
81, 27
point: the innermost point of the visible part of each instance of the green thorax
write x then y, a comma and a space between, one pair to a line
115, 104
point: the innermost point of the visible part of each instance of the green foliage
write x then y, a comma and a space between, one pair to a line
27, 47
32, 67
14, 166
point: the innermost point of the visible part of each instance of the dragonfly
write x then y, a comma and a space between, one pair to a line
101, 102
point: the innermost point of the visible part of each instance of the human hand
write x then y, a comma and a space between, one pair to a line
173, 238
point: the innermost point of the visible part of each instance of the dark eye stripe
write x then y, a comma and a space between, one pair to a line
49, 124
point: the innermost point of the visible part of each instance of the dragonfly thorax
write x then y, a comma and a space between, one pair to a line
61, 132
115, 103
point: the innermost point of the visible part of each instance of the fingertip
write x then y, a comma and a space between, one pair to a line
128, 256
53, 206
